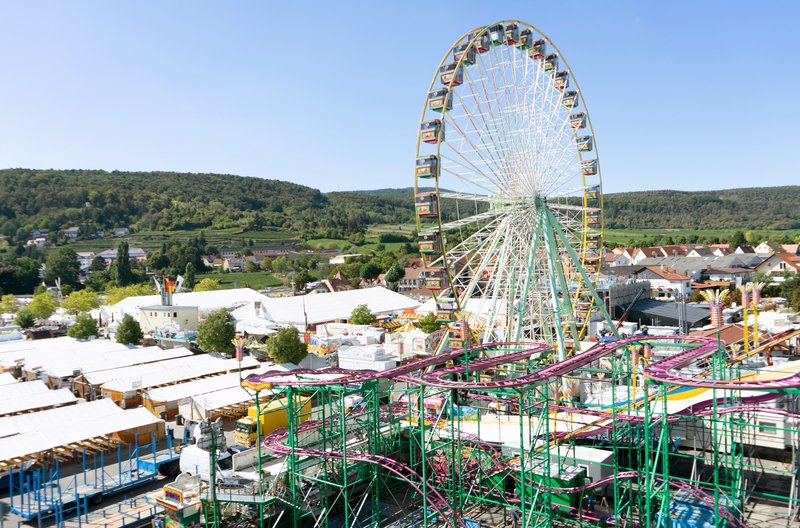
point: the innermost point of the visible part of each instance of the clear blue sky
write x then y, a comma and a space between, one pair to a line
683, 95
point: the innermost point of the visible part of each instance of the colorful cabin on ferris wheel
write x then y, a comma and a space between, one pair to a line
589, 167
426, 204
570, 99
467, 51
435, 278
451, 74
481, 45
593, 191
538, 49
525, 39
578, 120
561, 80
512, 35
446, 309
427, 167
497, 35
431, 131
430, 244
593, 241
440, 100
590, 263
585, 143
550, 63
593, 218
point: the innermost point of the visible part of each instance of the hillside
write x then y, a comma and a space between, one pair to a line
164, 202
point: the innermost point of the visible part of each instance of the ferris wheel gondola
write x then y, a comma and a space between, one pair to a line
508, 189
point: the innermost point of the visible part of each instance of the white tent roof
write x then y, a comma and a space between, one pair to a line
40, 352
26, 434
204, 301
325, 307
114, 359
192, 367
22, 390
7, 379
39, 400
205, 388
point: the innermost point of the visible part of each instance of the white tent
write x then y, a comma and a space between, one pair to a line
39, 400
7, 379
319, 308
22, 390
204, 301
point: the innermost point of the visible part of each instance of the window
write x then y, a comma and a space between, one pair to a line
767, 427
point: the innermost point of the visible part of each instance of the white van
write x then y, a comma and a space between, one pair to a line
196, 461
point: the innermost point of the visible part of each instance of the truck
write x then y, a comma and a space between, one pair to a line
273, 416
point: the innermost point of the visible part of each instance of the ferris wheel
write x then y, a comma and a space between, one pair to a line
508, 191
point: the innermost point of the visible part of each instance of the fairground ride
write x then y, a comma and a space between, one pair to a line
508, 189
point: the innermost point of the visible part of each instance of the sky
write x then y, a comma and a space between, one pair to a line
683, 95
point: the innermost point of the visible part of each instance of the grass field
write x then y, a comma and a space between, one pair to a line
256, 280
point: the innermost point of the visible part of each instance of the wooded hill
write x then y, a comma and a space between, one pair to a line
168, 201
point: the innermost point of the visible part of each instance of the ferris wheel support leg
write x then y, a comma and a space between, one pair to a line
528, 276
552, 256
587, 282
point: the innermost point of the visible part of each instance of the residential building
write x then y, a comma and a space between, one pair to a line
121, 231
769, 247
414, 279
134, 253
665, 283
85, 259
72, 232
778, 265
744, 249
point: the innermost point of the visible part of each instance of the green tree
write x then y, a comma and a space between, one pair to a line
286, 346
9, 303
43, 305
189, 279
738, 239
762, 277
208, 285
123, 275
129, 331
85, 327
428, 324
369, 271
300, 279
115, 294
98, 264
395, 274
361, 315
24, 318
795, 300
63, 263
216, 332
81, 301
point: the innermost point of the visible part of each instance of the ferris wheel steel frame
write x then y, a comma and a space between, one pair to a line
527, 258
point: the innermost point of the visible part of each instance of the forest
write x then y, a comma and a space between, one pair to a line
97, 201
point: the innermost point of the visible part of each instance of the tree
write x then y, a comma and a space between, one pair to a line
98, 264
43, 305
795, 300
300, 279
361, 315
24, 318
115, 294
85, 327
9, 303
395, 274
738, 239
369, 271
429, 324
762, 277
81, 301
63, 263
123, 275
129, 331
286, 346
208, 285
189, 279
216, 332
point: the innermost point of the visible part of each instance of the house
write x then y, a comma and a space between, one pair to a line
85, 259
338, 283
645, 253
700, 251
778, 265
617, 257
744, 249
342, 259
792, 249
38, 242
414, 279
121, 231
272, 251
233, 264
665, 283
134, 253
229, 252
36, 233
769, 247
738, 276
72, 232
